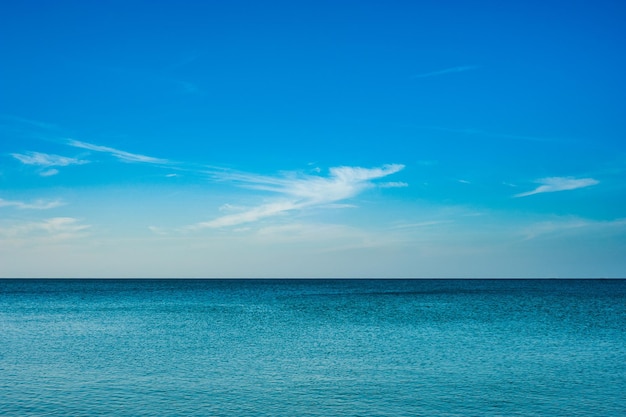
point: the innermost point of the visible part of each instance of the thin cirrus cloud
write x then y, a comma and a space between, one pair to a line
554, 184
451, 70
47, 161
35, 205
393, 184
300, 192
119, 154
58, 228
565, 225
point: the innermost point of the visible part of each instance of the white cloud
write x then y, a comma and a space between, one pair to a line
35, 205
301, 192
121, 155
444, 71
393, 184
251, 215
62, 225
49, 172
342, 183
553, 184
57, 228
46, 160
157, 230
230, 208
561, 225
338, 206
422, 224
323, 237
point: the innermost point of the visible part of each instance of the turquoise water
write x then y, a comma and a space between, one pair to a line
313, 348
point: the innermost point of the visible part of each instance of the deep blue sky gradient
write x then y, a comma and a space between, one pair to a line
185, 113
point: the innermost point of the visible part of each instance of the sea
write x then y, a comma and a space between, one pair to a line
350, 347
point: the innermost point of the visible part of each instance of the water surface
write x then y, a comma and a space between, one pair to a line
313, 347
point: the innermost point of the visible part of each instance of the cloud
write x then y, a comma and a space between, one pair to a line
35, 205
321, 238
343, 182
251, 215
299, 192
157, 230
393, 184
422, 224
554, 184
121, 155
444, 71
570, 225
57, 228
46, 160
49, 172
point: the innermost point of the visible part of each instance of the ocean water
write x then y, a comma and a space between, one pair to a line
313, 347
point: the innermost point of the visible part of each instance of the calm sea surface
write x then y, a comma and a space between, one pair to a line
312, 347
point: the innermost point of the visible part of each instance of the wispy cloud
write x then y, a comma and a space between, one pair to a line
49, 172
45, 160
35, 205
57, 228
393, 184
422, 224
250, 215
554, 184
119, 154
571, 225
299, 192
451, 70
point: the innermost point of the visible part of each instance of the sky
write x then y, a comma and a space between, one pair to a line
300, 139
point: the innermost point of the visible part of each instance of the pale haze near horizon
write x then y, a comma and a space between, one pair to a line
312, 139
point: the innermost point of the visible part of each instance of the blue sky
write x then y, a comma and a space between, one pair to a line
312, 139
